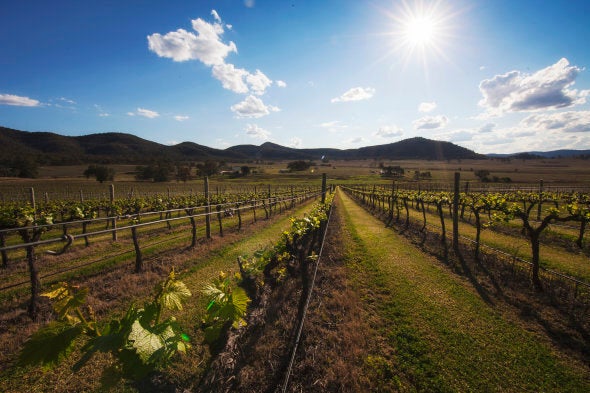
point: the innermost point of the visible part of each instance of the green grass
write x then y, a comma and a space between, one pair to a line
444, 336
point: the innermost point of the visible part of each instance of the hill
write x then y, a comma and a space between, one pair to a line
545, 154
47, 148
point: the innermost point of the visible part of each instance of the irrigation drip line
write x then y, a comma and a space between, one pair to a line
138, 225
306, 306
89, 263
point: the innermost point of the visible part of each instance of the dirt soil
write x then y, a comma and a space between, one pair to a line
336, 341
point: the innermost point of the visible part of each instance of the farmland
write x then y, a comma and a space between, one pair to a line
387, 303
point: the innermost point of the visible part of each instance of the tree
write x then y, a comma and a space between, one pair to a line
100, 172
208, 168
159, 172
392, 171
25, 167
183, 173
482, 174
245, 170
300, 165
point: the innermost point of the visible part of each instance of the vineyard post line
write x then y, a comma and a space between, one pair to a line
207, 209
256, 204
35, 282
456, 212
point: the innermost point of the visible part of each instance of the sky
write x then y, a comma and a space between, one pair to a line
494, 76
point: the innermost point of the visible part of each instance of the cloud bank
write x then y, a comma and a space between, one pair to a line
207, 46
548, 88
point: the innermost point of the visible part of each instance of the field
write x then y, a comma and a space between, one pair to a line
385, 302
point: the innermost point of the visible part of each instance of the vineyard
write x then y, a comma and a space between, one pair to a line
530, 213
241, 291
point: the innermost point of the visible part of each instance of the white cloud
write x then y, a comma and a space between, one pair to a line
145, 113
216, 16
249, 3
487, 128
130, 114
208, 47
281, 84
430, 122
172, 143
252, 107
257, 132
67, 100
231, 78
10, 99
258, 82
548, 88
457, 136
333, 126
564, 121
427, 106
355, 140
355, 94
295, 142
536, 132
181, 118
101, 112
181, 45
388, 132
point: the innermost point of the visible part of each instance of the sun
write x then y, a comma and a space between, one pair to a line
421, 30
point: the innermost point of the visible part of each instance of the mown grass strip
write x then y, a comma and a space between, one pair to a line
445, 337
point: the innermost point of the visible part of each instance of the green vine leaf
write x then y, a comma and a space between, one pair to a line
67, 298
148, 343
174, 293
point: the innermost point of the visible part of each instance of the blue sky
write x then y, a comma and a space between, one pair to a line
490, 75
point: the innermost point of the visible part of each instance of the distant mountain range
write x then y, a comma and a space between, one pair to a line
564, 153
48, 148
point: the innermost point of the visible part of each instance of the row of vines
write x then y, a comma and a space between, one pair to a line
148, 338
25, 227
532, 212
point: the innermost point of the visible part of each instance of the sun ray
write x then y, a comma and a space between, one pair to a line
421, 32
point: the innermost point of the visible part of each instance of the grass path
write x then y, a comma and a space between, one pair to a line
439, 335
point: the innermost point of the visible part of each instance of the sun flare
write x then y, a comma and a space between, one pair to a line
421, 31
